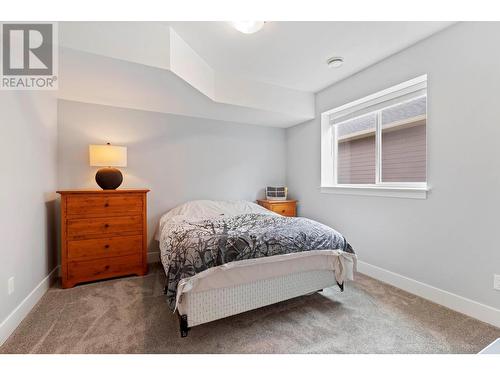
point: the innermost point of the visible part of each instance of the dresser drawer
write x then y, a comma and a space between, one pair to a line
103, 268
103, 205
283, 209
104, 247
103, 227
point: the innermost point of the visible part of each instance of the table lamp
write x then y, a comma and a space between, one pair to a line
108, 156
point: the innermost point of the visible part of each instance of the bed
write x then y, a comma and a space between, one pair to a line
223, 258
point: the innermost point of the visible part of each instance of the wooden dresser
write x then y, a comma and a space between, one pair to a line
103, 234
285, 208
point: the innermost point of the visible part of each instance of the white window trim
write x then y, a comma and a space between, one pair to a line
378, 191
417, 190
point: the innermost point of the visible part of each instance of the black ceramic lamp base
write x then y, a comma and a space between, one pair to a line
109, 178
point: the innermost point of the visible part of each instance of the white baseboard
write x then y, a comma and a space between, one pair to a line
11, 322
154, 257
452, 301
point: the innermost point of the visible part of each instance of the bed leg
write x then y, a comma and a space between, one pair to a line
183, 325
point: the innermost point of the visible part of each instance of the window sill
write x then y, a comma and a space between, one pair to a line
378, 191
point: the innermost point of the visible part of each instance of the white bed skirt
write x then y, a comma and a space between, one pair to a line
206, 306
241, 286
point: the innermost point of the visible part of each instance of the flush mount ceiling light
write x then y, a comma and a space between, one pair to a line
248, 27
335, 62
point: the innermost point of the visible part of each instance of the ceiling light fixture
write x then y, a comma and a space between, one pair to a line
335, 62
248, 27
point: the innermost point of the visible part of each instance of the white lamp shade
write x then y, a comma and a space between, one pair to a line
107, 156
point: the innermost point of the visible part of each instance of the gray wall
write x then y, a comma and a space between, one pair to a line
450, 240
179, 158
28, 165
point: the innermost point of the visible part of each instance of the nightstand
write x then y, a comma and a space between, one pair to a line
103, 234
285, 208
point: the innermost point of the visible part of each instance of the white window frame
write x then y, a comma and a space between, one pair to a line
329, 145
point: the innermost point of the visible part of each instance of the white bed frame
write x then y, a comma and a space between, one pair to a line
196, 308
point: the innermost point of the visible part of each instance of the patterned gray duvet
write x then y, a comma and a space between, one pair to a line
190, 247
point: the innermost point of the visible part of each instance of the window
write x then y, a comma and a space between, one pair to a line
377, 145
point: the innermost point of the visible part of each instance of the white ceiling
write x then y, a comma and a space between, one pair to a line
211, 70
91, 78
294, 54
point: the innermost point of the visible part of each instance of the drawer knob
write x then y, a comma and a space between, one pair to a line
282, 211
106, 246
106, 267
106, 204
106, 225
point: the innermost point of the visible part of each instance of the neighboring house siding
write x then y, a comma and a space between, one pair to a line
356, 164
403, 157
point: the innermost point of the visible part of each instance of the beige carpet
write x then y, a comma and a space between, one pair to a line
130, 316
